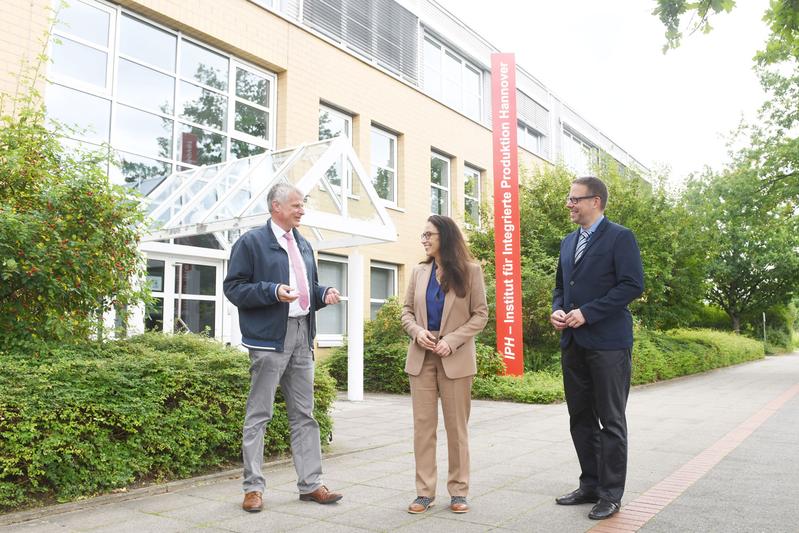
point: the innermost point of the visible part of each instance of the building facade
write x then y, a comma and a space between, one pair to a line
173, 85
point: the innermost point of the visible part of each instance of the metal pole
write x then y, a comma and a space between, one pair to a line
764, 329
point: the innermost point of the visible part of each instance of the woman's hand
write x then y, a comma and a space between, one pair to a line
426, 340
443, 349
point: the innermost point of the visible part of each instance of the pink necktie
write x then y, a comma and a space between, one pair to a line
296, 264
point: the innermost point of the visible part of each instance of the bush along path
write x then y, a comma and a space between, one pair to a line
657, 356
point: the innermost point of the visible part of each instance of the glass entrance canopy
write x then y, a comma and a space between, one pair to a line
342, 208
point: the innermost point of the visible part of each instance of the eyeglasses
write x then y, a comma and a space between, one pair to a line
427, 234
575, 199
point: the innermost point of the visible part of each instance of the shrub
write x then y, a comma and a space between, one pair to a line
68, 238
79, 420
532, 387
664, 355
385, 349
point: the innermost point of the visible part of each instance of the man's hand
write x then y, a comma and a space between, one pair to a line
426, 340
574, 319
332, 296
557, 319
443, 349
287, 294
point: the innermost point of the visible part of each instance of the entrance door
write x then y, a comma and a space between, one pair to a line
187, 293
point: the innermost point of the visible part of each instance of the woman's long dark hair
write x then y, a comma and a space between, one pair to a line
453, 254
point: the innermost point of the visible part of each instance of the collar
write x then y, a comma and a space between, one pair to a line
594, 226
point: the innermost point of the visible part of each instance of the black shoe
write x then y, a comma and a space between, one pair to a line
603, 509
577, 497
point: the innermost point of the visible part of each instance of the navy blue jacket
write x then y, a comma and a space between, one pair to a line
607, 278
257, 266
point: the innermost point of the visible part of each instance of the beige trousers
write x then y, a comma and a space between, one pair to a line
456, 403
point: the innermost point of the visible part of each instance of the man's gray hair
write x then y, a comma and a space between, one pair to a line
280, 193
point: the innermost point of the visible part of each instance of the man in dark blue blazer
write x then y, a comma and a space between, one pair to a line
599, 274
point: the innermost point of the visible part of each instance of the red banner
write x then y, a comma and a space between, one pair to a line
507, 245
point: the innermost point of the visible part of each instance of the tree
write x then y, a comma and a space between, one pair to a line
753, 254
68, 238
671, 12
671, 249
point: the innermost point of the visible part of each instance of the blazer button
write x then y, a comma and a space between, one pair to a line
571, 305
571, 283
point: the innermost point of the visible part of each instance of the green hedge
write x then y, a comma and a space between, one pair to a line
80, 420
656, 356
659, 356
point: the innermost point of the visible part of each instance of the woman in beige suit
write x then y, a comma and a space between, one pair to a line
445, 307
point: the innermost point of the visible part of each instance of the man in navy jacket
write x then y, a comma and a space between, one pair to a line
273, 282
599, 274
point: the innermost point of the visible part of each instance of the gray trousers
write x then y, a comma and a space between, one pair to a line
293, 369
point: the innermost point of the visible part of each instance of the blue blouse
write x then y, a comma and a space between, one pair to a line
435, 302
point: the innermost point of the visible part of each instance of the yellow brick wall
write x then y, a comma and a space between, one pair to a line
23, 30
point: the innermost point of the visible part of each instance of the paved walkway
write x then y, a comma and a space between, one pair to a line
714, 452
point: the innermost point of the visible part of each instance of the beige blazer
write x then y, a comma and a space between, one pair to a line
462, 319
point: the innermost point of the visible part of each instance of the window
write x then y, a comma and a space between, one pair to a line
384, 164
331, 322
162, 101
471, 196
439, 184
333, 123
453, 80
578, 154
529, 138
383, 282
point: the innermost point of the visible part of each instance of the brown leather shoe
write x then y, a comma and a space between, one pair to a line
458, 505
420, 505
321, 495
253, 502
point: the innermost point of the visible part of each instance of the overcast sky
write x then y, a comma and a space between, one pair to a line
604, 59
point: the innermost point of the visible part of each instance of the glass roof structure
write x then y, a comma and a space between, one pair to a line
229, 198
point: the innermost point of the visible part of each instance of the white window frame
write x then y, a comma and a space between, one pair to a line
330, 340
532, 140
473, 171
448, 188
395, 288
383, 133
438, 93
344, 166
110, 92
591, 151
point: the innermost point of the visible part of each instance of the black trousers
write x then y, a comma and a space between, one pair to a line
597, 384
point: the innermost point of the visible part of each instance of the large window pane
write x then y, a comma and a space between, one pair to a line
333, 318
384, 164
84, 21
145, 87
203, 65
251, 120
439, 171
147, 43
139, 172
381, 283
432, 69
252, 87
202, 106
84, 111
239, 149
439, 201
200, 147
195, 279
197, 316
79, 62
143, 133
